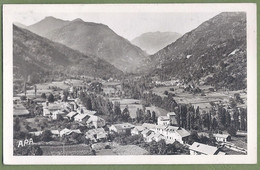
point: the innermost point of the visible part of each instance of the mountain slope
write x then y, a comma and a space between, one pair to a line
98, 40
214, 53
46, 25
152, 42
39, 57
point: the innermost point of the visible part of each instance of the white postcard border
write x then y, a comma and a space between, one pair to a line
250, 158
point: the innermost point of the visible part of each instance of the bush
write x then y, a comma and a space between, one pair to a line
43, 96
166, 92
232, 131
46, 136
51, 98
28, 150
171, 89
107, 147
23, 97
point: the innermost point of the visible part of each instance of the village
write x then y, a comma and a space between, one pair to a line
60, 122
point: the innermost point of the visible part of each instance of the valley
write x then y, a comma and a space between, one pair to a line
81, 89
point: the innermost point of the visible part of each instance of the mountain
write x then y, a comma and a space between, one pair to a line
214, 53
18, 24
93, 39
41, 58
152, 42
46, 25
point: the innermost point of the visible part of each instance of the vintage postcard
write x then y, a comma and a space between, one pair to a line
129, 84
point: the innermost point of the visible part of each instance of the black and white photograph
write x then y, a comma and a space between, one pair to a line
129, 83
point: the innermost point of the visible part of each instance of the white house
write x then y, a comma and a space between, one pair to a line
49, 108
95, 121
81, 118
124, 128
154, 137
96, 135
71, 115
57, 113
170, 119
68, 132
222, 137
170, 133
202, 149
163, 120
146, 132
137, 130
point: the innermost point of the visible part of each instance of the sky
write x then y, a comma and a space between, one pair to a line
128, 25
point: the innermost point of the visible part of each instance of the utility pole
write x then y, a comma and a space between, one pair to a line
25, 88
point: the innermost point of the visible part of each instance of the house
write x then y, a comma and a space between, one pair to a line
71, 115
154, 137
170, 133
66, 132
149, 126
222, 137
49, 108
20, 110
81, 118
170, 119
55, 115
146, 133
124, 128
137, 130
55, 133
36, 133
173, 133
96, 135
95, 121
163, 120
202, 149
39, 100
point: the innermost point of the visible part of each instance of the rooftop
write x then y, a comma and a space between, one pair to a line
221, 135
81, 116
202, 148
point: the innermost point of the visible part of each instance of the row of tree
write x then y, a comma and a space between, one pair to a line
104, 106
217, 118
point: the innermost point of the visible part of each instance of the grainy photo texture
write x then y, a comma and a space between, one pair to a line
88, 83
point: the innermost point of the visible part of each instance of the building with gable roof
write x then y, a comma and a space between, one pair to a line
124, 128
137, 130
202, 149
95, 121
222, 137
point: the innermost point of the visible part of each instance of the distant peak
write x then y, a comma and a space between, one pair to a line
50, 17
78, 20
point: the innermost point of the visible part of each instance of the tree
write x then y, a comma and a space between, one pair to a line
43, 96
153, 116
232, 130
194, 137
88, 104
162, 148
214, 124
166, 92
125, 114
16, 124
51, 98
171, 89
46, 136
28, 150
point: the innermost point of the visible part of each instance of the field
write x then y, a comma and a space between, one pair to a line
132, 104
122, 150
81, 149
203, 102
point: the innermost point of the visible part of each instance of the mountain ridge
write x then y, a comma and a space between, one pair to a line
205, 54
152, 42
96, 39
37, 55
